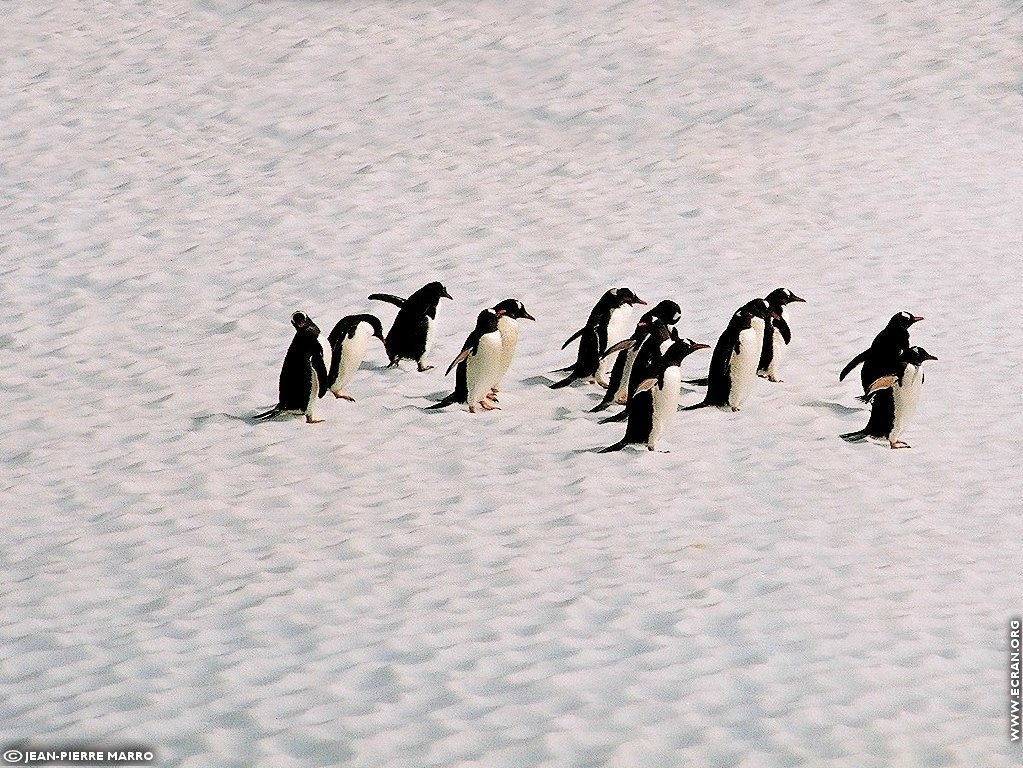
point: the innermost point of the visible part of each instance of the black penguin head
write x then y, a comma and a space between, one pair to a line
903, 320
304, 323
917, 355
758, 308
680, 350
429, 295
486, 321
626, 296
779, 297
668, 311
374, 321
514, 309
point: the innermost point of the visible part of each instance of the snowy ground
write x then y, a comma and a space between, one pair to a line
396, 587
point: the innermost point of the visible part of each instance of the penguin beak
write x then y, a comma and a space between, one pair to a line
700, 346
796, 298
527, 316
930, 357
637, 300
446, 295
917, 319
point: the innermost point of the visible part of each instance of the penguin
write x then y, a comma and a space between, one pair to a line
478, 365
734, 361
659, 339
303, 375
348, 342
411, 334
656, 398
885, 351
777, 334
625, 352
889, 416
510, 311
606, 325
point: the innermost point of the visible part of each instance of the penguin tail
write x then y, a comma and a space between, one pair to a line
855, 437
442, 404
267, 414
620, 416
564, 382
601, 406
612, 448
699, 382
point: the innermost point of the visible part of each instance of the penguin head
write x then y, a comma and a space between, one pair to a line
668, 311
681, 349
917, 355
429, 295
374, 322
486, 321
779, 297
626, 296
758, 308
304, 323
514, 309
904, 319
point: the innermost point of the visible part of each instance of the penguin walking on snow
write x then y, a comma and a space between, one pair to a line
734, 361
660, 337
656, 399
303, 375
411, 334
509, 311
885, 353
607, 324
348, 342
625, 353
478, 365
889, 416
777, 334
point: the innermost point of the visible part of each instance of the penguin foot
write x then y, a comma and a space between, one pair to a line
603, 384
775, 379
495, 389
488, 407
900, 444
344, 396
424, 368
622, 400
736, 409
492, 397
311, 420
393, 363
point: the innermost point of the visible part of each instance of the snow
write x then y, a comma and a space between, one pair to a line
401, 587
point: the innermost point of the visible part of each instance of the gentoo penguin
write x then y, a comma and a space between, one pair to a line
303, 375
348, 343
606, 325
656, 399
624, 353
510, 311
411, 334
659, 339
733, 364
776, 333
888, 417
885, 351
478, 364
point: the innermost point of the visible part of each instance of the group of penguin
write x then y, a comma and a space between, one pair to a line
638, 370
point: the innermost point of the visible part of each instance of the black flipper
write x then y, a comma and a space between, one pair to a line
573, 337
784, 330
861, 357
390, 298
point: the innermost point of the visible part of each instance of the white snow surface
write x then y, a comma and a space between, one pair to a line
401, 587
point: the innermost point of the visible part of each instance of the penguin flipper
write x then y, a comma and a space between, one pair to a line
784, 330
390, 298
620, 346
573, 337
463, 355
862, 356
885, 382
616, 447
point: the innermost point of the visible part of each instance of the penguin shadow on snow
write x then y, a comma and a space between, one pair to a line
842, 410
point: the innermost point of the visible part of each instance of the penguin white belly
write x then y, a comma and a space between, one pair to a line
428, 345
353, 352
482, 369
314, 392
666, 399
508, 327
743, 366
907, 395
777, 353
618, 329
325, 346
